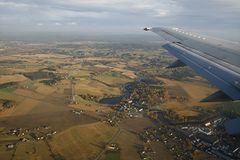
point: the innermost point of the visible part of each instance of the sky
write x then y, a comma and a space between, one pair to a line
218, 17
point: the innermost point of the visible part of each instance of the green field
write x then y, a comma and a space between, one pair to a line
112, 156
7, 94
27, 84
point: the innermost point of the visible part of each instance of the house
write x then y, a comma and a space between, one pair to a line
10, 146
112, 147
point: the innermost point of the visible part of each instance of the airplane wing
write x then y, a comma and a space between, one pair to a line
214, 59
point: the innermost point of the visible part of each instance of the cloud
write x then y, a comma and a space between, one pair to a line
120, 13
72, 23
39, 24
58, 24
14, 5
64, 14
161, 13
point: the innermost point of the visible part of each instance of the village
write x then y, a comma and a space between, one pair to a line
21, 135
182, 137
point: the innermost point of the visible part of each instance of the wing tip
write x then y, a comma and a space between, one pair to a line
147, 28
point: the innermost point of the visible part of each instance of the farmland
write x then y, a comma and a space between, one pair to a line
51, 108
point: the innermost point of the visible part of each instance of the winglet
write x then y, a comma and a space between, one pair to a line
176, 64
217, 97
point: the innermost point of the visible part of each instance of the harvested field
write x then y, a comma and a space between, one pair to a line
12, 78
195, 91
127, 142
96, 88
124, 72
82, 142
58, 120
136, 125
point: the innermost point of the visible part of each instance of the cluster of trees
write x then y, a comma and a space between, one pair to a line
6, 104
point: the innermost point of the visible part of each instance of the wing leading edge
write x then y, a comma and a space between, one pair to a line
216, 60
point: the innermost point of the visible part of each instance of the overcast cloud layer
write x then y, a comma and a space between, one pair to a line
121, 16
